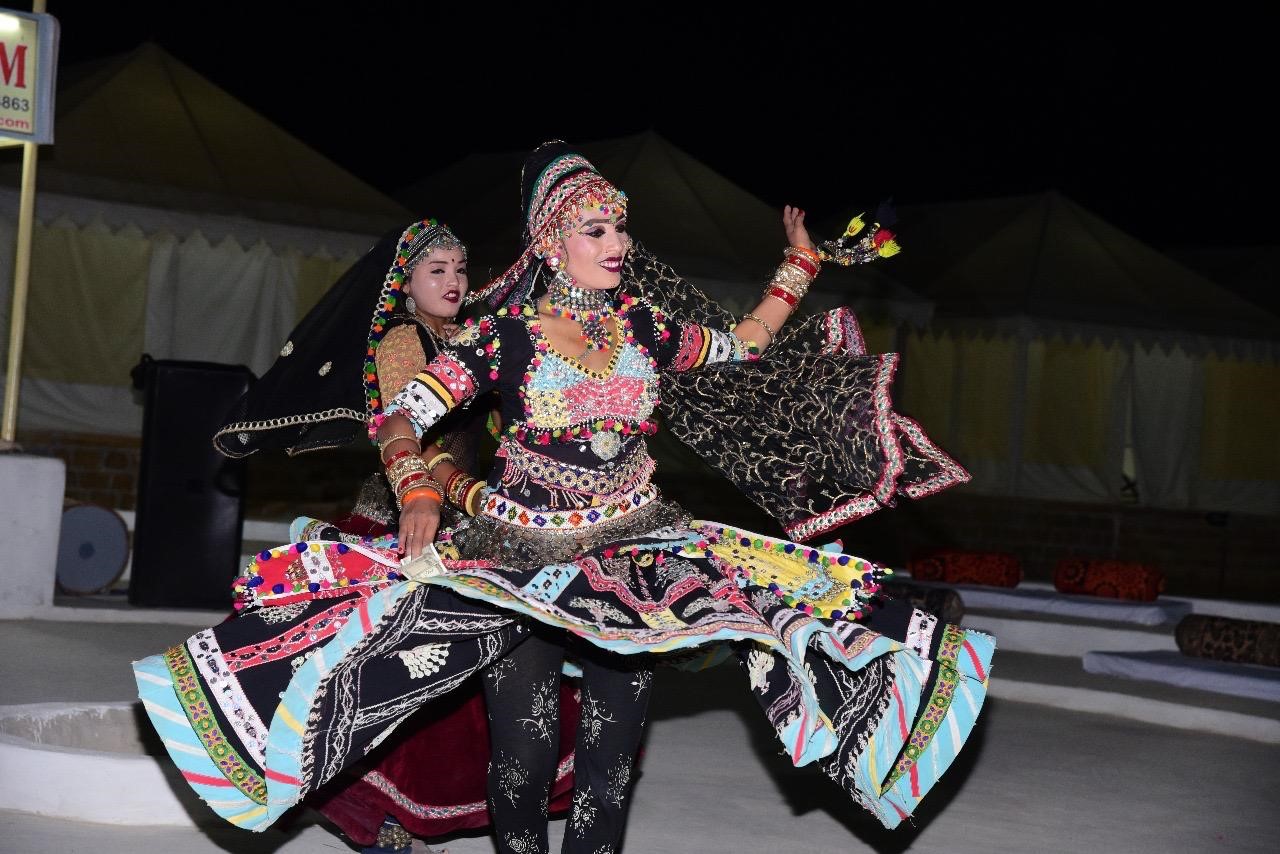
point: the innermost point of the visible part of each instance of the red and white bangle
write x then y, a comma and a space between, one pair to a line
789, 298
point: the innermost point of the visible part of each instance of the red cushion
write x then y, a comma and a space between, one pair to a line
1229, 639
995, 569
1112, 579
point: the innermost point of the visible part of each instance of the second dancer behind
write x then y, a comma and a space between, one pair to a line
336, 369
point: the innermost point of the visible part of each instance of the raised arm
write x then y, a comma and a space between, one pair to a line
789, 284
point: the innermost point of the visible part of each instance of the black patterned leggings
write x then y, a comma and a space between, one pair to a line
523, 695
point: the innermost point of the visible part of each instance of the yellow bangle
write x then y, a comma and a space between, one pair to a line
471, 504
438, 459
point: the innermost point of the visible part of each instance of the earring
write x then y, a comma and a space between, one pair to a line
410, 304
553, 261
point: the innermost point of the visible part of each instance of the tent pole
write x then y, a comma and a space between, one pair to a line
21, 279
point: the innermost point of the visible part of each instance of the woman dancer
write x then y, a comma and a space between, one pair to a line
575, 537
429, 779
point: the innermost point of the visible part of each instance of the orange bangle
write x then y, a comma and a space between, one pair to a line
419, 492
805, 250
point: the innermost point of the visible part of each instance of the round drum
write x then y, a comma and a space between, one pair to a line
93, 549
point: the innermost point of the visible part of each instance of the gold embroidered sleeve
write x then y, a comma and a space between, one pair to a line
400, 358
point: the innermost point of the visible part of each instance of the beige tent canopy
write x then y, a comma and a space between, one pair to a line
174, 220
1047, 263
1066, 355
146, 129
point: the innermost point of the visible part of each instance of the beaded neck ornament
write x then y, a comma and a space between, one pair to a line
414, 244
590, 307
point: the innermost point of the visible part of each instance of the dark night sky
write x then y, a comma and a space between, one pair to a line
1158, 128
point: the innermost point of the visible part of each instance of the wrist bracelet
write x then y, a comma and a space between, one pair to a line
786, 296
791, 278
805, 250
415, 494
404, 468
809, 268
398, 455
471, 497
452, 487
407, 482
767, 328
438, 459
386, 443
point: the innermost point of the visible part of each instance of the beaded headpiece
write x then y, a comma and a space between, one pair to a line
414, 244
557, 184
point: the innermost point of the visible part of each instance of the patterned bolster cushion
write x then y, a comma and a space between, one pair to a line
1112, 579
942, 602
1229, 639
995, 569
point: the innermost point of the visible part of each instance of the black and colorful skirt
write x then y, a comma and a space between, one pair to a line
341, 644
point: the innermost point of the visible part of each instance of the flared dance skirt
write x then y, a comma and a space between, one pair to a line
341, 644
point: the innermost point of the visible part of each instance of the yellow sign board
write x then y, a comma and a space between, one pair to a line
28, 63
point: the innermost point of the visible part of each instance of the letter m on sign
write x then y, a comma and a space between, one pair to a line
14, 66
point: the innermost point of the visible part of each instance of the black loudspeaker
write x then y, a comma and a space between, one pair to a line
186, 535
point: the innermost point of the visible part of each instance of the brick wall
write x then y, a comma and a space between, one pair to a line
100, 469
1218, 555
104, 470
1232, 556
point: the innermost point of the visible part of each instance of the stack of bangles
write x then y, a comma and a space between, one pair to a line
461, 489
410, 478
791, 282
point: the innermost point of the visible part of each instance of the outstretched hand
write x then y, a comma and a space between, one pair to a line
793, 222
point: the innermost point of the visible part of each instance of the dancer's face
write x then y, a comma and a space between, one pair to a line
594, 251
439, 283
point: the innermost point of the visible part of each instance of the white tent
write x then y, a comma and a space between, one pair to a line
174, 220
1065, 355
1048, 264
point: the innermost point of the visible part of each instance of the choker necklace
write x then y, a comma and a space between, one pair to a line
436, 337
587, 306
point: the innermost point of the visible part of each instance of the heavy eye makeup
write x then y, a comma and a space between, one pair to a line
597, 231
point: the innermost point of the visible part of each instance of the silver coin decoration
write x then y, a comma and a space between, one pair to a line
606, 444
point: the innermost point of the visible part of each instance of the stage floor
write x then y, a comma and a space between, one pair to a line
1035, 777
